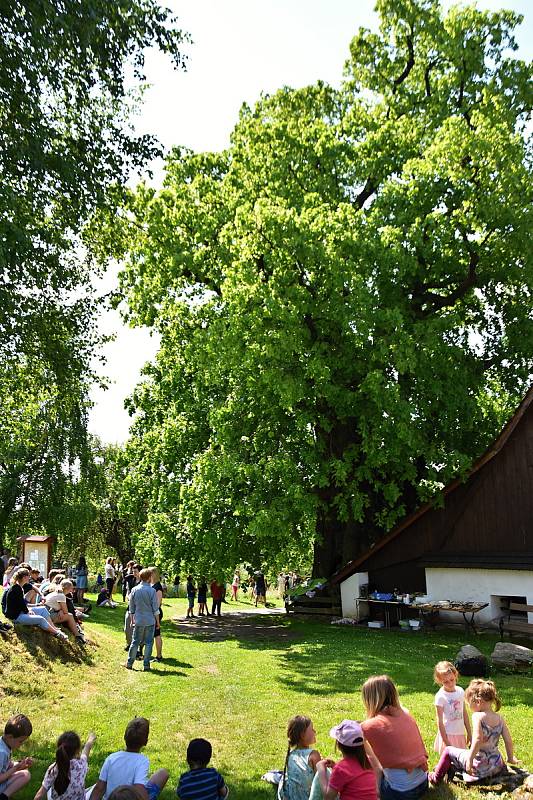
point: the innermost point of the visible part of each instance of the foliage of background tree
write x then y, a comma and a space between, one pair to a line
64, 142
344, 296
81, 508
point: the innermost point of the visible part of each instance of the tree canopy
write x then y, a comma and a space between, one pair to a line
66, 149
343, 295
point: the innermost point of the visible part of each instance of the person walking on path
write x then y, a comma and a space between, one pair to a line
144, 612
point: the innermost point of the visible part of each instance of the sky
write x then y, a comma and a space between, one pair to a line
240, 49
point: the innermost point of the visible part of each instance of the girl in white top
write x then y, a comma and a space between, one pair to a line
452, 717
235, 585
65, 778
109, 576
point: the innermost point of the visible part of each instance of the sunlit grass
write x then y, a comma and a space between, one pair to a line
235, 684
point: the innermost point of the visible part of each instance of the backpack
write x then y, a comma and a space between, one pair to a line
4, 600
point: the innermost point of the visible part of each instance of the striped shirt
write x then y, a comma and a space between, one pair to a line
201, 784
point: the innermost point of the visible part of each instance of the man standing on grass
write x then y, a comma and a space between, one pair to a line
144, 612
217, 592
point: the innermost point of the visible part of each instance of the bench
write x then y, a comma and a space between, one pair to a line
508, 625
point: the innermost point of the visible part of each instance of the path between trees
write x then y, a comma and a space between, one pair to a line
254, 623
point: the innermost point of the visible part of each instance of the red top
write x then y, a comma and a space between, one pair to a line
217, 590
395, 739
352, 782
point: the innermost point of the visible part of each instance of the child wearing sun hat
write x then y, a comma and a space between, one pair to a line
353, 777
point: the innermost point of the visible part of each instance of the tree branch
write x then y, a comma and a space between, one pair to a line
367, 191
410, 62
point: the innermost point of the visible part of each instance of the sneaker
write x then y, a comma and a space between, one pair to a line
81, 641
128, 666
156, 658
61, 635
147, 669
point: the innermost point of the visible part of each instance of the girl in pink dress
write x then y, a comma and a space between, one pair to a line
452, 717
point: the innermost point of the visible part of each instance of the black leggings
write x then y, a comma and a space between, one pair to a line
216, 606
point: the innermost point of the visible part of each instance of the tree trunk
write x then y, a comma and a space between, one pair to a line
338, 543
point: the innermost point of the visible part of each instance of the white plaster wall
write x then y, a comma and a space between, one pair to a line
350, 589
480, 586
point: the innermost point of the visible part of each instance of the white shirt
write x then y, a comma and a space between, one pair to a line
452, 704
109, 571
124, 768
53, 599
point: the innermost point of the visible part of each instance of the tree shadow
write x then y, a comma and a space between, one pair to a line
251, 631
322, 659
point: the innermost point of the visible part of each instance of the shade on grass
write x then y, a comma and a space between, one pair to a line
234, 683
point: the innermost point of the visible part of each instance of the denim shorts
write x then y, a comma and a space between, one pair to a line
386, 792
153, 790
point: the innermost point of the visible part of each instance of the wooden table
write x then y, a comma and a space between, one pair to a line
388, 605
427, 608
460, 608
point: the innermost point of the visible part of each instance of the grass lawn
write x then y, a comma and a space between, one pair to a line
235, 683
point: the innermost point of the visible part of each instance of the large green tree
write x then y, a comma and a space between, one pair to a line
68, 72
344, 296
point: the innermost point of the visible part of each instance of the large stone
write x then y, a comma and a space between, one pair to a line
468, 651
513, 656
471, 662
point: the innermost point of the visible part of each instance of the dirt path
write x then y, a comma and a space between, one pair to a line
255, 623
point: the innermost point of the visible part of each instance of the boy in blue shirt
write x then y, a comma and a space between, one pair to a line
201, 782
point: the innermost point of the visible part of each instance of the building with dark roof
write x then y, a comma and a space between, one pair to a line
477, 546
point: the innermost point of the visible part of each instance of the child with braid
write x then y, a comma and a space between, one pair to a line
300, 762
65, 778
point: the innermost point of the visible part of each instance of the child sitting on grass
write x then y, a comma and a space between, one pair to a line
14, 775
201, 782
65, 778
352, 778
483, 759
130, 767
104, 599
301, 760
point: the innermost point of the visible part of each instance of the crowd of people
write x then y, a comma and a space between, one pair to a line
48, 603
382, 756
385, 755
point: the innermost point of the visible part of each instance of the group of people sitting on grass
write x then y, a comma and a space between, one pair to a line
47, 603
382, 756
124, 775
385, 755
